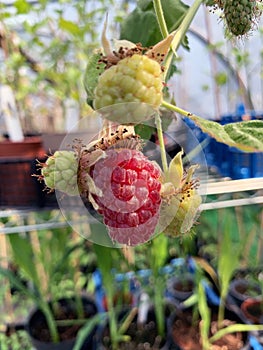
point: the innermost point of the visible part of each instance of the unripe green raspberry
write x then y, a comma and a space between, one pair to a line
240, 15
133, 79
60, 172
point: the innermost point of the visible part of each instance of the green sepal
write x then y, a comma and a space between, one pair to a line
176, 170
92, 73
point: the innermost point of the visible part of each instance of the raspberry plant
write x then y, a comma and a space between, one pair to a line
135, 197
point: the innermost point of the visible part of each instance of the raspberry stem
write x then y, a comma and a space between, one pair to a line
160, 17
184, 26
165, 33
180, 32
158, 124
176, 109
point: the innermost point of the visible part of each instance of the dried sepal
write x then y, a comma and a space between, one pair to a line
105, 42
159, 51
123, 43
126, 48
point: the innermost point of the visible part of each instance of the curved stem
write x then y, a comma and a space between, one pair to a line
168, 63
234, 328
158, 124
176, 109
164, 30
160, 17
184, 26
181, 31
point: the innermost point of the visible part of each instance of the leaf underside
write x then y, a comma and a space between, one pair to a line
246, 135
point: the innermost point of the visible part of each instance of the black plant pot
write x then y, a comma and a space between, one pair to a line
242, 289
182, 321
180, 288
39, 333
252, 309
139, 334
63, 345
245, 300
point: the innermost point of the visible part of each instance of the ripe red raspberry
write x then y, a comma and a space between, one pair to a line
130, 201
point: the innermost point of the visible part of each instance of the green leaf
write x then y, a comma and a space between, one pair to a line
249, 133
221, 78
69, 26
22, 6
159, 252
16, 282
235, 328
205, 314
91, 76
141, 25
87, 328
246, 136
227, 261
144, 131
23, 255
105, 264
145, 4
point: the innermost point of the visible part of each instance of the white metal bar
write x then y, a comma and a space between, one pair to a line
220, 187
231, 186
231, 203
44, 226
